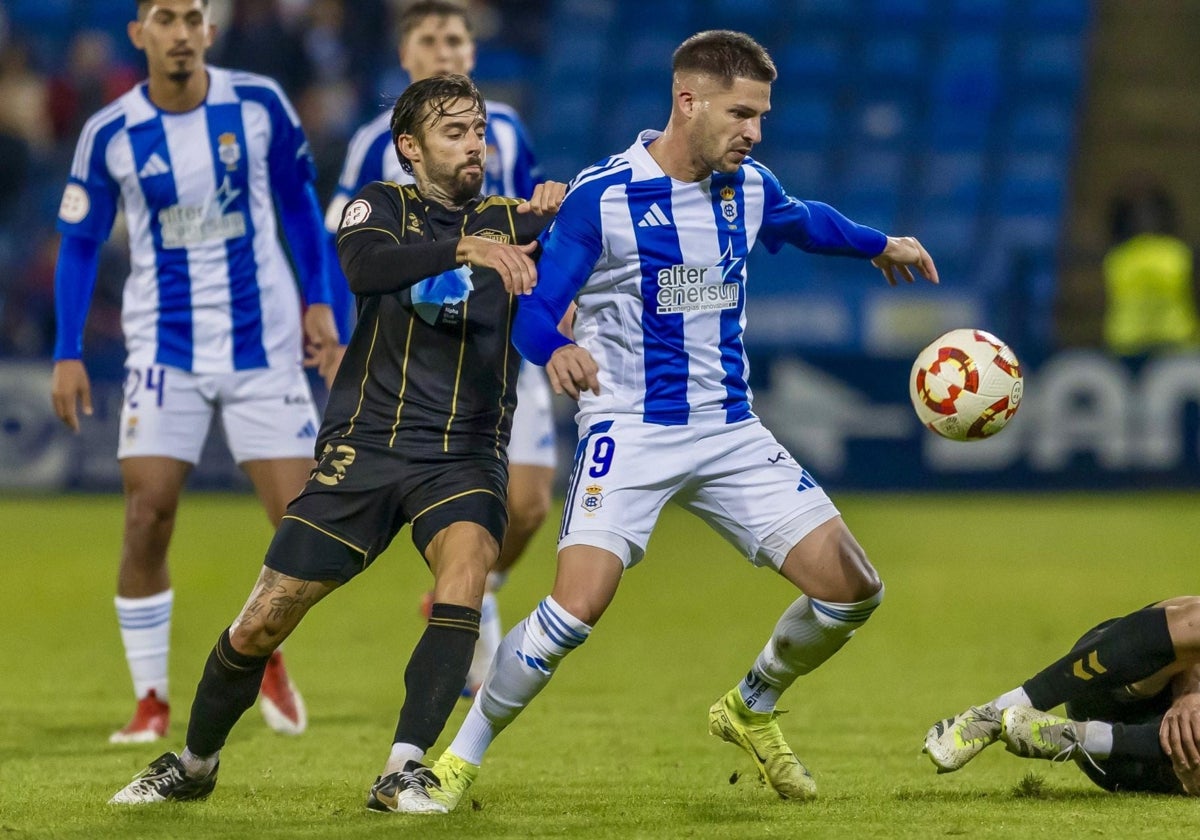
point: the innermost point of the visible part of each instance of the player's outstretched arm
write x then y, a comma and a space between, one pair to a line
70, 388
572, 369
901, 253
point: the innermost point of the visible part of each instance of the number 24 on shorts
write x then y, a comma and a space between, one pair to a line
152, 379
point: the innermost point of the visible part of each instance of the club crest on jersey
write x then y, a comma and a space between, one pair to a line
131, 428
492, 162
228, 150
414, 223
494, 235
593, 497
728, 205
356, 213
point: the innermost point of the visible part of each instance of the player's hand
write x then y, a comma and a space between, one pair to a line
572, 369
547, 198
321, 348
512, 262
70, 387
900, 253
1179, 733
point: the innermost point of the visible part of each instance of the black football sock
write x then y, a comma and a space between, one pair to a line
436, 674
228, 687
1136, 742
1128, 650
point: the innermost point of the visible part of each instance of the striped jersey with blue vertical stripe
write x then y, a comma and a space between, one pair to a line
210, 288
664, 307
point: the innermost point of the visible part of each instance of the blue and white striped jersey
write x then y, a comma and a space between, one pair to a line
510, 168
658, 270
210, 288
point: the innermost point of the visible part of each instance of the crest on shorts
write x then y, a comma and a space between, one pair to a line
494, 235
593, 497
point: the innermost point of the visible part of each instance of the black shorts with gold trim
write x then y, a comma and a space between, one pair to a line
361, 494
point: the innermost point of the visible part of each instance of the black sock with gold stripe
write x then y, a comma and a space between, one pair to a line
228, 687
1128, 650
436, 674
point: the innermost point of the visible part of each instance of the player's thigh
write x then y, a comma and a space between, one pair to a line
277, 481
532, 440
268, 414
460, 556
624, 472
750, 489
353, 506
445, 489
165, 413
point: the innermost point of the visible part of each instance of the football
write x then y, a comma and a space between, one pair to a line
966, 385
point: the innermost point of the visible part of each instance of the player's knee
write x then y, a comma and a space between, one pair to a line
256, 636
145, 510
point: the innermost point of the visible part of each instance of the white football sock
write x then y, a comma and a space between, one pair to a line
523, 665
400, 755
1016, 697
808, 633
1097, 738
146, 632
490, 634
195, 766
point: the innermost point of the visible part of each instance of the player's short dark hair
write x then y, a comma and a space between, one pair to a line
725, 55
143, 3
416, 12
423, 103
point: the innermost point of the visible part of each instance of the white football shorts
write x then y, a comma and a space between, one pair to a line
736, 477
267, 413
532, 441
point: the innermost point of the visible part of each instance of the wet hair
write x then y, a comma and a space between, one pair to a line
414, 14
425, 102
725, 55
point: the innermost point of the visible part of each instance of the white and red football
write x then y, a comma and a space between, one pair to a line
966, 385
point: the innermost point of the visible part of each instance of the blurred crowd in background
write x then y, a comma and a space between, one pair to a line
1001, 132
62, 60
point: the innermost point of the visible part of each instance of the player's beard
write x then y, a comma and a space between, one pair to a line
467, 184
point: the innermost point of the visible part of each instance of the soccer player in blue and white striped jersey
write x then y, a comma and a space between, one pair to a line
199, 158
436, 37
651, 245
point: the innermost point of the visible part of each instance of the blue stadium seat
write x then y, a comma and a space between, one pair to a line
892, 59
1066, 16
899, 12
952, 238
869, 171
886, 122
847, 13
804, 174
1050, 63
811, 59
965, 91
953, 177
977, 14
805, 121
1045, 126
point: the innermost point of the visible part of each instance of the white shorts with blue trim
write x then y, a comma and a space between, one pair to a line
532, 442
266, 413
735, 477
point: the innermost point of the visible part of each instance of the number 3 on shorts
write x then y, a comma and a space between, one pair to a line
602, 456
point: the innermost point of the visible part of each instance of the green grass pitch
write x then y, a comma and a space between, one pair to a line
982, 591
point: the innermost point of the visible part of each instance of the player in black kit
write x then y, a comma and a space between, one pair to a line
414, 432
